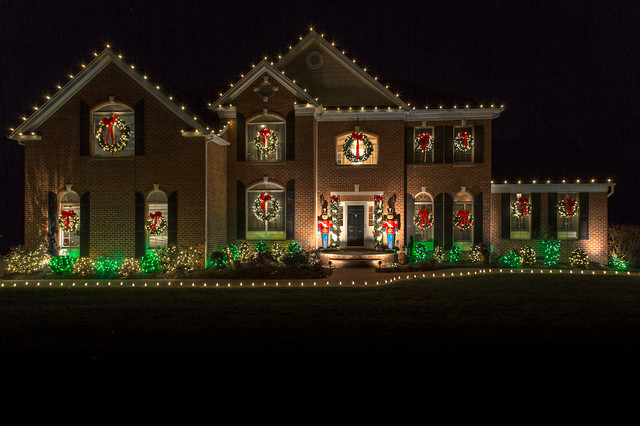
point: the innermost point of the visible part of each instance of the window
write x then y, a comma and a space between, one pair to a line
123, 113
419, 156
463, 201
463, 157
424, 202
341, 159
157, 203
277, 128
69, 221
266, 229
520, 226
568, 226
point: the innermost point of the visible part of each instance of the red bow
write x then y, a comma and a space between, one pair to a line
424, 138
424, 215
570, 203
523, 201
464, 216
265, 133
67, 214
155, 217
335, 199
378, 199
109, 122
358, 137
264, 198
464, 135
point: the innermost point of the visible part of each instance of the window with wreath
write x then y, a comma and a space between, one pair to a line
463, 218
266, 139
423, 142
463, 141
423, 218
568, 213
520, 216
362, 148
265, 212
69, 221
113, 131
157, 221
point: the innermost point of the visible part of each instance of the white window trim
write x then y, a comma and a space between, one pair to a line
63, 204
416, 202
106, 110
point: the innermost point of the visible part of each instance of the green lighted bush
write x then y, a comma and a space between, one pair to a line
294, 248
217, 260
230, 252
454, 254
149, 263
62, 264
551, 252
512, 260
421, 253
106, 267
617, 263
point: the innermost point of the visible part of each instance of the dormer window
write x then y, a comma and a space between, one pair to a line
113, 131
266, 139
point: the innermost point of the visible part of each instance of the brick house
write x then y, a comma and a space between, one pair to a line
314, 99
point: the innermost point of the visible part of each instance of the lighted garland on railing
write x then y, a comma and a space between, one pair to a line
116, 144
263, 211
266, 141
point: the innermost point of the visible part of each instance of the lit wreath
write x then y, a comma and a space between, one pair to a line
358, 138
116, 145
567, 207
463, 142
260, 210
463, 220
521, 207
156, 223
68, 220
423, 142
266, 141
424, 219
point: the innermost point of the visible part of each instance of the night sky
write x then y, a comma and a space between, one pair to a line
567, 72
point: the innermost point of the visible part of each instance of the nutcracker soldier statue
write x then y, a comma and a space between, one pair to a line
391, 222
324, 223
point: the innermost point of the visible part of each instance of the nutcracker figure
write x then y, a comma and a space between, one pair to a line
324, 223
391, 222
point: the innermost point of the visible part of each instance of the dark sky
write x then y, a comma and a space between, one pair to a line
567, 71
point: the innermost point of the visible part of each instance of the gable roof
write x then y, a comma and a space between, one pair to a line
26, 130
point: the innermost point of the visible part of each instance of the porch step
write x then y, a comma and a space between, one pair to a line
353, 258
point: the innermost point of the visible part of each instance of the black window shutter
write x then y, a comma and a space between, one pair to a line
52, 228
408, 145
438, 145
535, 216
241, 143
140, 220
85, 225
138, 137
438, 219
85, 131
291, 136
552, 210
583, 216
291, 209
172, 220
505, 212
478, 146
478, 214
448, 144
241, 211
408, 220
448, 221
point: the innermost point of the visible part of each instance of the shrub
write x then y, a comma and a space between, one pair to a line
617, 263
244, 251
528, 255
512, 260
296, 256
106, 267
278, 251
62, 264
129, 268
27, 261
624, 244
262, 253
149, 263
438, 255
578, 257
421, 253
454, 254
83, 266
217, 260
176, 261
475, 254
294, 248
550, 251
230, 252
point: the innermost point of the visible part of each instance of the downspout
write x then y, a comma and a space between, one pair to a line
610, 193
315, 163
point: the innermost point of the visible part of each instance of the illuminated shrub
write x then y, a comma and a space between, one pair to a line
21, 260
475, 254
62, 264
176, 261
294, 248
83, 266
129, 268
528, 255
617, 263
454, 254
217, 260
262, 253
105, 267
439, 255
421, 253
278, 251
230, 252
578, 257
512, 260
149, 263
550, 251
244, 251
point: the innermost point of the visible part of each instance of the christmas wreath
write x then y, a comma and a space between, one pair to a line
424, 219
156, 223
463, 142
567, 207
68, 220
424, 142
463, 220
109, 142
520, 207
260, 207
360, 153
266, 141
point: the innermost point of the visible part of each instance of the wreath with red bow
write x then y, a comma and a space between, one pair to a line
567, 207
521, 207
463, 142
106, 134
68, 220
424, 219
263, 211
266, 141
362, 150
156, 223
463, 220
423, 142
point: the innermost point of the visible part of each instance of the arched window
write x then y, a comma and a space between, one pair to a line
463, 201
340, 157
157, 219
69, 221
276, 127
107, 111
424, 202
275, 227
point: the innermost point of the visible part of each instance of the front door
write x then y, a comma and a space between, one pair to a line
355, 226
